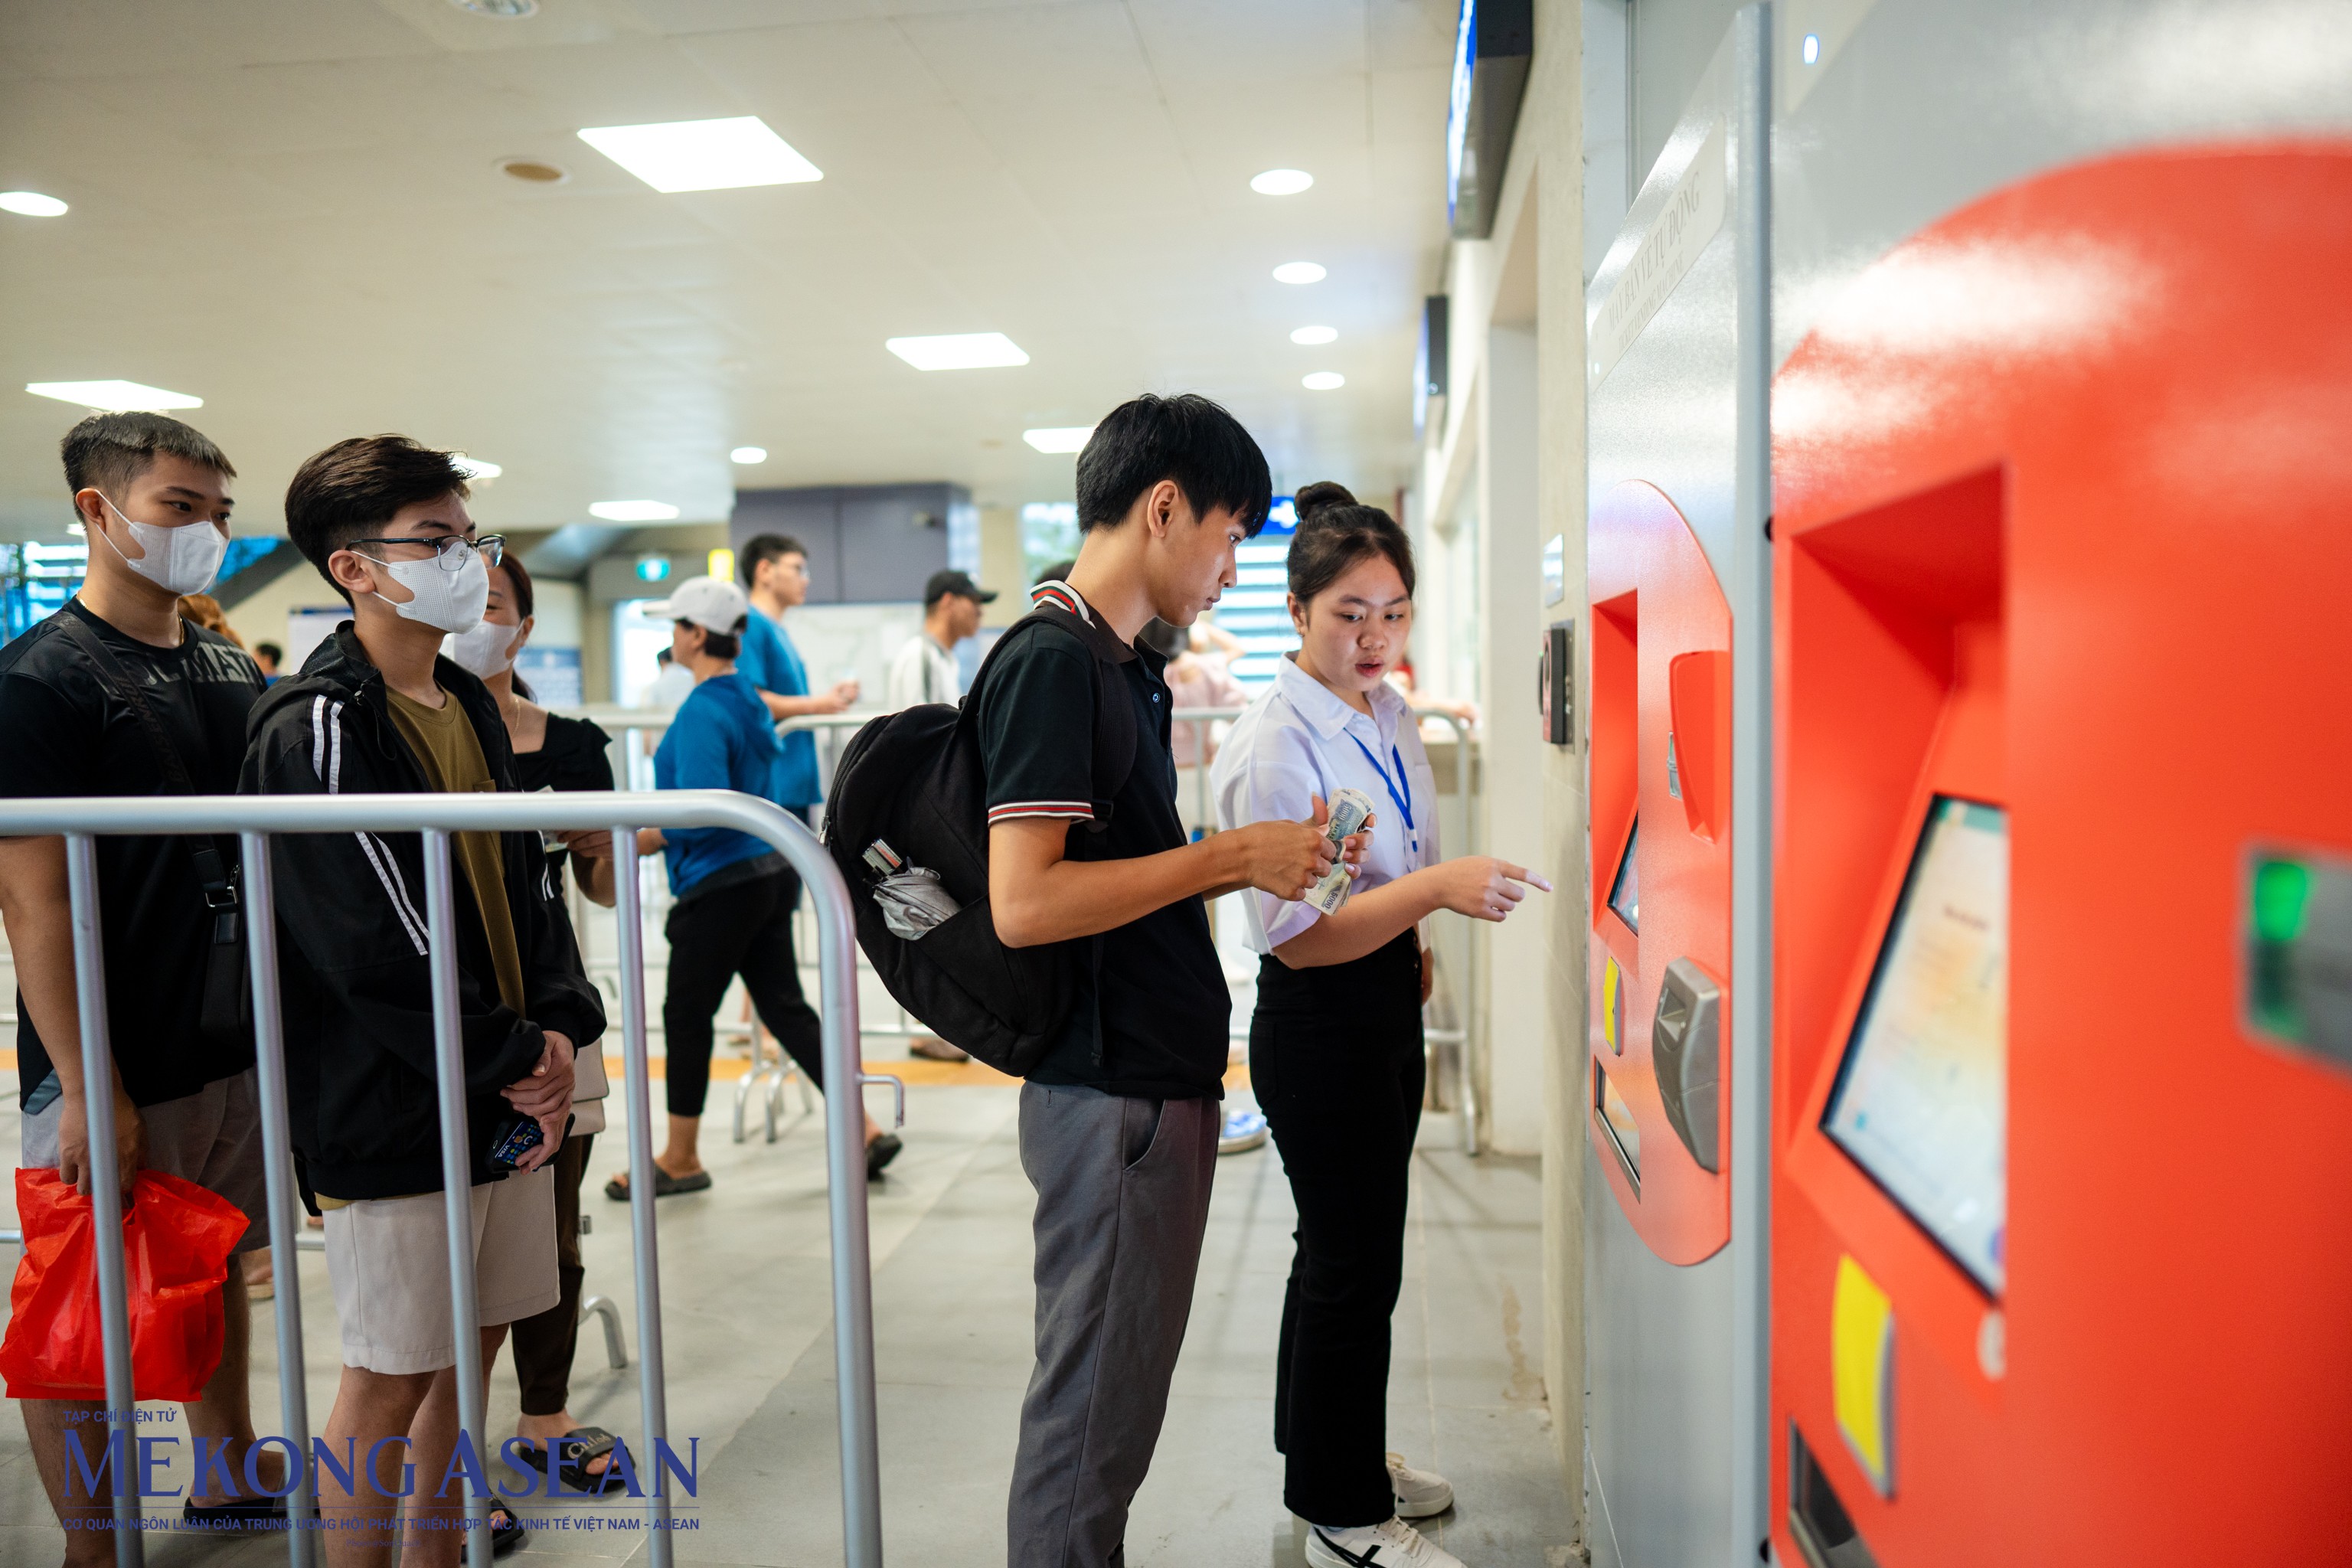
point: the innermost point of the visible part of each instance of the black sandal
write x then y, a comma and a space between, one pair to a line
573, 1452
665, 1184
507, 1537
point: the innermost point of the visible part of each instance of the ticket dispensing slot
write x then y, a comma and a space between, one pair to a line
1683, 1041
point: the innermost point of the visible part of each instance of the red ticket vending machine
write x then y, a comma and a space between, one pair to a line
1660, 955
2062, 1098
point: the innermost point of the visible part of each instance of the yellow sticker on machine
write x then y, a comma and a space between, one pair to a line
1612, 1005
1862, 1372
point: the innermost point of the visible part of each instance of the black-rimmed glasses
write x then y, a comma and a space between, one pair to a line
453, 550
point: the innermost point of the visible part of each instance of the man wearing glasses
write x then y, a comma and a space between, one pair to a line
377, 709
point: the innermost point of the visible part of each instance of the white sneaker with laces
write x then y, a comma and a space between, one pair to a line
1392, 1544
1419, 1493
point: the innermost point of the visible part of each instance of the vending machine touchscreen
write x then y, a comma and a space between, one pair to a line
1921, 1100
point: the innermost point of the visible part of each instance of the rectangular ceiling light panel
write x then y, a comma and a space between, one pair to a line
957, 350
1059, 438
114, 396
703, 154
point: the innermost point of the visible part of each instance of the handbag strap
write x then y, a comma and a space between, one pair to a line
212, 870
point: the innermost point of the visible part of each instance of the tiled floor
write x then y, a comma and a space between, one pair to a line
750, 1360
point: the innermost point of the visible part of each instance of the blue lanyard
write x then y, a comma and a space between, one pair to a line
1404, 800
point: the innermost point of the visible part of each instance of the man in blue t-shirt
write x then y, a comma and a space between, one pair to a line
734, 894
775, 570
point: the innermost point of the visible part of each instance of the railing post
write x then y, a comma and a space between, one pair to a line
852, 1271
653, 1393
456, 1177
269, 1074
106, 1194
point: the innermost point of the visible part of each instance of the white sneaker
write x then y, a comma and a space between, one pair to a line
1394, 1544
1419, 1493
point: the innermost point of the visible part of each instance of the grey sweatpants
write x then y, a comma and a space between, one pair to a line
1122, 1200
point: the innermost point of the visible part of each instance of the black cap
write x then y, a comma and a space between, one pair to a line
943, 583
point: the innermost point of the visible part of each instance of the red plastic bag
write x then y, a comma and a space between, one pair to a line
175, 1243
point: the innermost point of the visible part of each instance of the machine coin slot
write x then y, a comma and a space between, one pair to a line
1685, 1038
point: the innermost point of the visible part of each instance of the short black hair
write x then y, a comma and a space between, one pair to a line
721, 645
276, 655
338, 495
1335, 531
766, 547
1186, 438
107, 451
1059, 572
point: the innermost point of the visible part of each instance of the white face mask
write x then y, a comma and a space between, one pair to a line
182, 560
487, 649
450, 601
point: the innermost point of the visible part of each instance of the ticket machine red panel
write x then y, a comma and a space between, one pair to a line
1660, 957
2062, 1098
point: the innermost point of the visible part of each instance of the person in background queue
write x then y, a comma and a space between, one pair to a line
925, 669
775, 569
376, 710
1336, 1043
1118, 1119
268, 655
552, 751
117, 695
735, 894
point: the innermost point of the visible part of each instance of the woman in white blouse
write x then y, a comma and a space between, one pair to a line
1336, 1046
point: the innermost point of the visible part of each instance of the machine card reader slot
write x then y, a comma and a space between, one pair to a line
1685, 1048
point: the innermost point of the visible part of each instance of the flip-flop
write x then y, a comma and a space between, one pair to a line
504, 1538
665, 1184
238, 1513
573, 1453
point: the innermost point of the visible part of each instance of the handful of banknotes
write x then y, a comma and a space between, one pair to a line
1350, 810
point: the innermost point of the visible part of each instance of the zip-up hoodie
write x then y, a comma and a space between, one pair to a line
356, 984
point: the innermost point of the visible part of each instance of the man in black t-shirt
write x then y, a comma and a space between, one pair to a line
153, 497
1118, 1122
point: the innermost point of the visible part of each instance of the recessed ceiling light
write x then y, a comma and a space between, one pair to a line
114, 396
534, 170
632, 510
957, 350
473, 467
31, 203
1315, 337
1323, 381
1060, 437
748, 454
1298, 272
1812, 48
1282, 181
703, 154
504, 10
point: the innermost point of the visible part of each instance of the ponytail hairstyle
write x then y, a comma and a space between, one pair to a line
1335, 533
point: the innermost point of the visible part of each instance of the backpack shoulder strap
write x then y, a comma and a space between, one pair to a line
211, 869
1115, 733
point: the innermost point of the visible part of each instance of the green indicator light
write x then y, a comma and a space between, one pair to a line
2282, 888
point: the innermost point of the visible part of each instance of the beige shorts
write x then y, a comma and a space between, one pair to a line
389, 1262
212, 1138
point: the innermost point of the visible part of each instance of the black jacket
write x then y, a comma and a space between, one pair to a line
356, 984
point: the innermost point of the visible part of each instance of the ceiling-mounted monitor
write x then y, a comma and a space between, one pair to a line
1922, 1095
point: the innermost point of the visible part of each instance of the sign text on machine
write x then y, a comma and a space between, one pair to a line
1693, 216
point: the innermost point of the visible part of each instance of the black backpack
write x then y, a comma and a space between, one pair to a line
914, 779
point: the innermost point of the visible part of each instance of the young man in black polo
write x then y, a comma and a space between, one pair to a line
153, 497
376, 710
1118, 1123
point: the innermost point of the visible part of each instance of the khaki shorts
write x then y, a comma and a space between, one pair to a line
389, 1262
212, 1138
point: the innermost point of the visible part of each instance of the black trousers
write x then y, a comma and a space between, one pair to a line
745, 929
1336, 1060
544, 1343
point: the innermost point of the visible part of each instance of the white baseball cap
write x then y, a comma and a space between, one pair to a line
710, 603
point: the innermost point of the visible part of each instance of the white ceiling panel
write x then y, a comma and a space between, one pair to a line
292, 209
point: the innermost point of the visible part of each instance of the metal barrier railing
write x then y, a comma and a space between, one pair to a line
254, 819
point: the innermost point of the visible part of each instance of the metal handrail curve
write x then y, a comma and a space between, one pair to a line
254, 818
